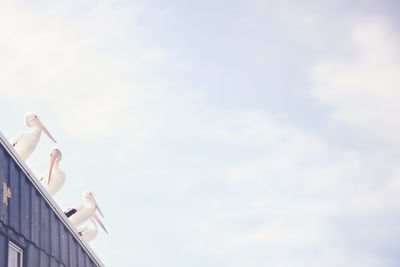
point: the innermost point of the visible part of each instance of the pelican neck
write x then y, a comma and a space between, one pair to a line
56, 167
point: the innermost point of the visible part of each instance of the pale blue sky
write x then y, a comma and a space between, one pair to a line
217, 133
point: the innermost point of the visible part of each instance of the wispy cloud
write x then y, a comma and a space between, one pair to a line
361, 88
294, 198
77, 63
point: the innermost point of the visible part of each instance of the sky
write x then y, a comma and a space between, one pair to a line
217, 133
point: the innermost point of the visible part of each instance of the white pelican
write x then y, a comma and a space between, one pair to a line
25, 142
53, 179
89, 233
82, 213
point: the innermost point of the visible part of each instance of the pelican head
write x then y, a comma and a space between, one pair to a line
55, 155
32, 120
88, 197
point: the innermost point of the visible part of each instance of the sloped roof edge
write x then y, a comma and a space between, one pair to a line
49, 199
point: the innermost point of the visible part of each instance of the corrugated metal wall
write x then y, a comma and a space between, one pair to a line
29, 221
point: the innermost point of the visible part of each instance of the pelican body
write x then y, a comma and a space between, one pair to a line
53, 179
25, 142
82, 213
89, 233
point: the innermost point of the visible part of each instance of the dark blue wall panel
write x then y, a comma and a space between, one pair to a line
45, 226
73, 260
3, 250
32, 254
54, 263
4, 159
14, 207
88, 263
64, 245
25, 207
54, 232
30, 222
35, 216
44, 259
81, 257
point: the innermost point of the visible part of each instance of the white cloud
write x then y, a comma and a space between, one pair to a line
362, 89
294, 195
80, 66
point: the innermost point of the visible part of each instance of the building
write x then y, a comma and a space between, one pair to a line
34, 232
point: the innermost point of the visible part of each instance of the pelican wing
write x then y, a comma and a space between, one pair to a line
44, 177
82, 229
17, 139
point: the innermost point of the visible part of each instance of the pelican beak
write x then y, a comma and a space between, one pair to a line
99, 222
52, 160
97, 207
45, 130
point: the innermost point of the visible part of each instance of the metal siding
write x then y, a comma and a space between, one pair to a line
55, 236
88, 262
14, 202
54, 263
44, 226
3, 178
32, 256
81, 257
64, 245
25, 207
3, 250
73, 260
44, 259
59, 236
35, 217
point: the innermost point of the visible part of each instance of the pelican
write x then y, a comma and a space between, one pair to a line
89, 233
82, 213
25, 142
53, 179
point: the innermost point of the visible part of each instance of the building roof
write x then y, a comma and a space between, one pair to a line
50, 201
